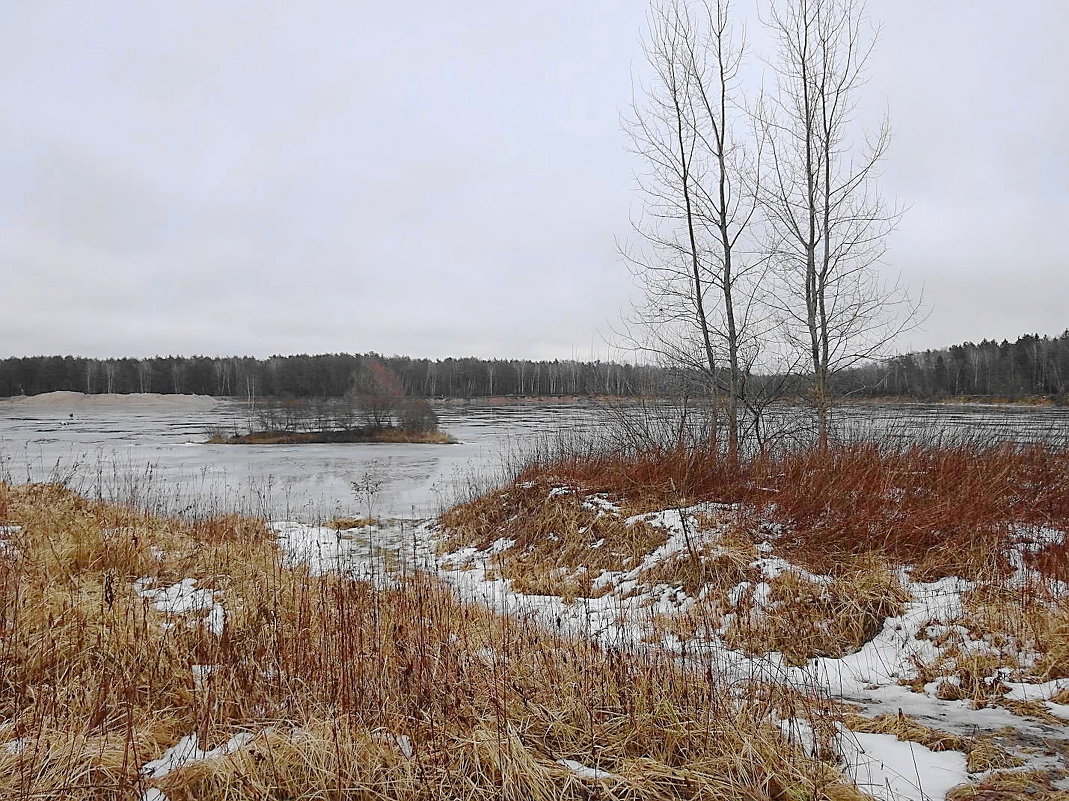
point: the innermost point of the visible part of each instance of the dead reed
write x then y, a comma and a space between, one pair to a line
947, 510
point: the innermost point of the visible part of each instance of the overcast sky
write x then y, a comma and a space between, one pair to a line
442, 179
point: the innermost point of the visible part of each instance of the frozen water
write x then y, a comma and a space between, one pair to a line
154, 455
150, 451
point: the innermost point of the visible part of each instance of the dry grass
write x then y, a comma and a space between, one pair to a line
947, 510
798, 616
345, 523
983, 647
349, 691
561, 542
398, 435
803, 618
1010, 786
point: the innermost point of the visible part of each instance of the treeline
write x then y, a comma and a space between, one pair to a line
1031, 366
323, 376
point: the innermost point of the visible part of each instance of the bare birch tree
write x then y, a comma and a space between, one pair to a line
701, 283
828, 221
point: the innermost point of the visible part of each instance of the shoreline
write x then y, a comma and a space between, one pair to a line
67, 401
383, 436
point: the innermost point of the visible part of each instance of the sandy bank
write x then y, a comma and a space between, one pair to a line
73, 401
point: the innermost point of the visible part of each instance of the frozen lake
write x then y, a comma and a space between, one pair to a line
152, 452
154, 455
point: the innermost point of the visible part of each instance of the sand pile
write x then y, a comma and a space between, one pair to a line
73, 401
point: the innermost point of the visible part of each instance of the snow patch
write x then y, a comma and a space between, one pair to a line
186, 752
183, 598
7, 548
585, 771
900, 770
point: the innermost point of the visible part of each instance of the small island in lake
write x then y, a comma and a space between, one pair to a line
376, 409
385, 435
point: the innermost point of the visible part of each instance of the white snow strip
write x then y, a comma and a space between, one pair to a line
601, 505
186, 752
7, 548
683, 529
1058, 710
215, 620
773, 567
359, 557
404, 745
201, 674
1020, 691
585, 771
323, 551
178, 598
499, 545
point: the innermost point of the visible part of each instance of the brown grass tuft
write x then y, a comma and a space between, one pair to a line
561, 540
1010, 786
344, 523
803, 618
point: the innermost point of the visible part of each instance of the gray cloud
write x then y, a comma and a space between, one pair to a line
450, 179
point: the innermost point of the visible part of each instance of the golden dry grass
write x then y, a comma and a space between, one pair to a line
349, 691
344, 523
804, 618
1010, 786
561, 542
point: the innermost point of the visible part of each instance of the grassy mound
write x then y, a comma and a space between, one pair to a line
802, 553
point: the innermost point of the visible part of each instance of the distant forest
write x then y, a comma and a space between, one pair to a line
1032, 366
322, 376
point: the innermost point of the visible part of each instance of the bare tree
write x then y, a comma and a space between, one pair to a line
827, 220
378, 393
702, 285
